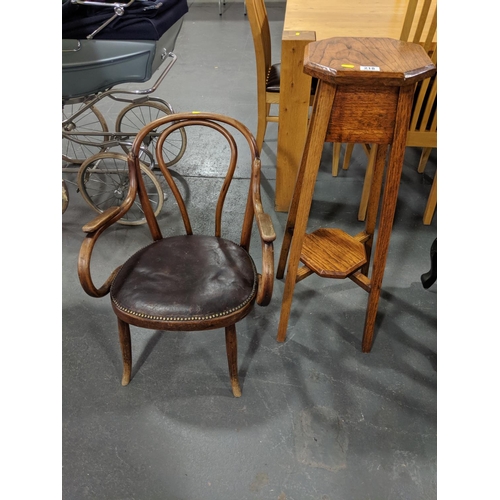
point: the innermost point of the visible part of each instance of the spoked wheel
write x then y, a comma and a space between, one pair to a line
103, 181
65, 197
134, 117
80, 147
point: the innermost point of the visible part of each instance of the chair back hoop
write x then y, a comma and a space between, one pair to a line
215, 122
227, 179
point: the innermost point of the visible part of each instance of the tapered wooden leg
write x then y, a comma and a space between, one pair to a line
302, 198
290, 223
390, 198
347, 155
336, 158
126, 345
424, 157
380, 153
366, 148
232, 359
431, 202
365, 195
290, 226
302, 183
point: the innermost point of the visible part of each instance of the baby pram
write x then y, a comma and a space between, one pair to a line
107, 44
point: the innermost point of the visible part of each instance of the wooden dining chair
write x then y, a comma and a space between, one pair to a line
268, 74
419, 26
188, 282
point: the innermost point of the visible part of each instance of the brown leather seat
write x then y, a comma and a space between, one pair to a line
186, 278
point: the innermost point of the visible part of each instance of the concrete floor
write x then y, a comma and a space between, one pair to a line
318, 419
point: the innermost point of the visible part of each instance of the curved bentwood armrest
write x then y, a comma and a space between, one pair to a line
95, 228
267, 236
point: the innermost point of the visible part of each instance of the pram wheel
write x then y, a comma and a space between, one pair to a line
103, 181
79, 147
134, 117
65, 197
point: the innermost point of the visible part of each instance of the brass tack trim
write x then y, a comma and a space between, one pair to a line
195, 318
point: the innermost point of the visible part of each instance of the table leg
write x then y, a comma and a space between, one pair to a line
295, 93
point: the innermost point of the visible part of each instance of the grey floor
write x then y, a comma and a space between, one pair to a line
318, 419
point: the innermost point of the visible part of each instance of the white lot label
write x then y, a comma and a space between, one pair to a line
369, 68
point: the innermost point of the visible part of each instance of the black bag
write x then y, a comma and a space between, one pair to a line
143, 20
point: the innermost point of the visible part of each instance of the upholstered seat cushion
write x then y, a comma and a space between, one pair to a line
274, 77
185, 278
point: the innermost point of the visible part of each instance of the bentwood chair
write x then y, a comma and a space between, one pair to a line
268, 74
419, 26
188, 282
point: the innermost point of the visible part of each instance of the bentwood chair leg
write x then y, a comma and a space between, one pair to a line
126, 345
232, 359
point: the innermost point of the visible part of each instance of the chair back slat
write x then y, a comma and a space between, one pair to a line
418, 103
430, 41
433, 126
428, 113
408, 21
420, 23
420, 26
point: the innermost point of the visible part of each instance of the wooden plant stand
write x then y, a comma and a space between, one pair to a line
365, 95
